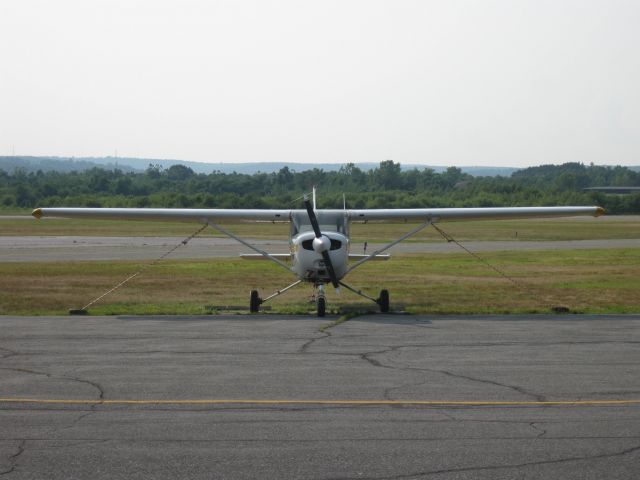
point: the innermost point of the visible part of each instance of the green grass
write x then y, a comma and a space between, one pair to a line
593, 281
15, 211
597, 281
117, 228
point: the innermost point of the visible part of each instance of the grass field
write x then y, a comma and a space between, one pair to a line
592, 281
595, 281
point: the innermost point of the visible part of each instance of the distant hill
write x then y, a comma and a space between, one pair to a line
484, 171
60, 164
127, 164
270, 167
130, 164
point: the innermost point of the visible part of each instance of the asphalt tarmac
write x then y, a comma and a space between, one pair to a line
268, 396
65, 248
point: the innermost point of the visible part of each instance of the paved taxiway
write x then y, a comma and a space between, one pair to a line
65, 248
515, 363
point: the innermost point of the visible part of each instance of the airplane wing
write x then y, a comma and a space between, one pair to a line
217, 215
399, 215
402, 215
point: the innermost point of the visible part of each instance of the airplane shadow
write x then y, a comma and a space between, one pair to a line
395, 318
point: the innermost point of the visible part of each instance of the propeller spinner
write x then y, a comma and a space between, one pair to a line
322, 243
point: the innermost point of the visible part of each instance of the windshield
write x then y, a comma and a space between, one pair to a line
328, 221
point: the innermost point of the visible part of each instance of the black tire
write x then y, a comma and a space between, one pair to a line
321, 305
254, 302
383, 301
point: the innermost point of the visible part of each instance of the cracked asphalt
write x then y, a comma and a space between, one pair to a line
529, 359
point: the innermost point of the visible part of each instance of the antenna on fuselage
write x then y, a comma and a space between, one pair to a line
344, 201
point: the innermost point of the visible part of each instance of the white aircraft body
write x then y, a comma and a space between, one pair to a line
319, 239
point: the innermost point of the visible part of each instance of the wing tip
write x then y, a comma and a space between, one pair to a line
37, 213
599, 212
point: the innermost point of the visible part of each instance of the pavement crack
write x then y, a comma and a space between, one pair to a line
387, 391
9, 353
75, 421
368, 357
95, 385
325, 330
25, 370
13, 459
304, 348
537, 397
541, 431
541, 462
495, 467
449, 416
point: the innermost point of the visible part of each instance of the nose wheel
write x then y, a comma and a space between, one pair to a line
321, 301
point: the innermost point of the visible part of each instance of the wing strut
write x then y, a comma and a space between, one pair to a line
83, 310
246, 244
389, 245
449, 238
359, 292
280, 292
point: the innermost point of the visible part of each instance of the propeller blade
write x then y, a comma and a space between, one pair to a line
325, 253
330, 270
312, 217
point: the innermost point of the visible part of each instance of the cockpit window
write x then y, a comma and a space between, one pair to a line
328, 221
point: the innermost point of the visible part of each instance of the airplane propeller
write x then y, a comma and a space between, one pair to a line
322, 243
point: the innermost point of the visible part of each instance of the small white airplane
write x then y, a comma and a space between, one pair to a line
319, 239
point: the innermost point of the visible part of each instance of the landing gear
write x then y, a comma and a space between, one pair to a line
321, 302
383, 301
254, 302
320, 299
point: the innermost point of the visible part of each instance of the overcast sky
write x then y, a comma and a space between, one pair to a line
446, 82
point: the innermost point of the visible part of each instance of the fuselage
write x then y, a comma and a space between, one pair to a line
307, 263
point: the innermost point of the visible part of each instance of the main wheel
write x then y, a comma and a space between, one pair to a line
321, 305
383, 301
254, 302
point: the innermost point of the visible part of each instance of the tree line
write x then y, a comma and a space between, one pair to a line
386, 186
